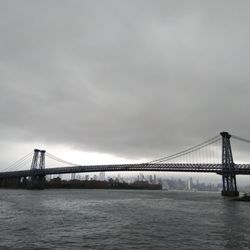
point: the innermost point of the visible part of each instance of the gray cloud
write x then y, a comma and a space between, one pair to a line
131, 78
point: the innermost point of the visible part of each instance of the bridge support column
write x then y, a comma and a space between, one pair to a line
37, 182
37, 179
228, 176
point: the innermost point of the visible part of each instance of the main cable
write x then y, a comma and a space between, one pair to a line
19, 162
187, 151
240, 138
59, 160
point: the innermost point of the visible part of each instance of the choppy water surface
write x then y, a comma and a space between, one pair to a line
120, 219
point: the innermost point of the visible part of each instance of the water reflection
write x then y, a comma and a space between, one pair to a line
234, 225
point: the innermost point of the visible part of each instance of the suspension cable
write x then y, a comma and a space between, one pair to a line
240, 138
189, 150
19, 162
18, 167
59, 160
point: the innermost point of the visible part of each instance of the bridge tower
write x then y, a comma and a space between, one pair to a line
37, 179
228, 174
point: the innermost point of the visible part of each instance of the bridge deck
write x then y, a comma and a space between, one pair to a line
243, 169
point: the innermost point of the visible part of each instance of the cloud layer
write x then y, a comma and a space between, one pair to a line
129, 78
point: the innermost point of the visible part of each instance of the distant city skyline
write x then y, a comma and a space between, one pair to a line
170, 183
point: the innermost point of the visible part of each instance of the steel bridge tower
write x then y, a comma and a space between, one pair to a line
37, 180
228, 173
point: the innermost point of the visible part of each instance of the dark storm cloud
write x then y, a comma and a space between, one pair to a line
134, 78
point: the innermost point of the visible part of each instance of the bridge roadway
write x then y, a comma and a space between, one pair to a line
240, 169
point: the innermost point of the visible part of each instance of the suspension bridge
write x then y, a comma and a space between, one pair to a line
212, 156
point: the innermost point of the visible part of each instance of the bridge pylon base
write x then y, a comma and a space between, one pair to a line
230, 193
37, 182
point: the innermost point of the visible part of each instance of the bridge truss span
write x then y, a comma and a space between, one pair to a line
147, 167
163, 167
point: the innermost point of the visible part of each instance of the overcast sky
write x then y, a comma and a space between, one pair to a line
131, 79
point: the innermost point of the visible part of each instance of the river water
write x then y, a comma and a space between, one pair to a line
121, 219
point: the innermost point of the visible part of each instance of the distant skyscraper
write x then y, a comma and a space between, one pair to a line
151, 179
119, 177
190, 183
154, 179
141, 177
102, 176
